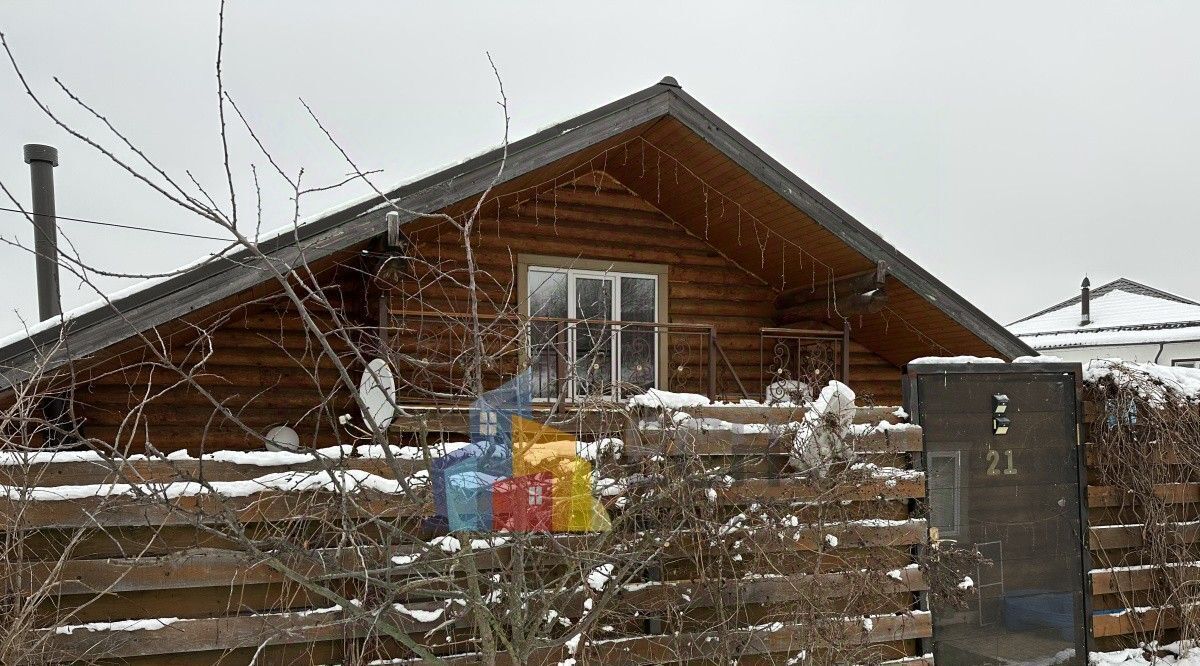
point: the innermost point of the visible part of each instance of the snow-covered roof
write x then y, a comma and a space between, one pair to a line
1123, 312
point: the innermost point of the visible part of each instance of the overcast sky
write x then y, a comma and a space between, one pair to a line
1009, 148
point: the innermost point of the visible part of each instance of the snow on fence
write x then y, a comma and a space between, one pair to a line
141, 556
1142, 425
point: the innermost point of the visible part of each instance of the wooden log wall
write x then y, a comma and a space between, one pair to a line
132, 561
252, 356
596, 217
264, 369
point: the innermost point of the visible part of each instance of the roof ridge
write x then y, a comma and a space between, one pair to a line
1118, 284
1134, 287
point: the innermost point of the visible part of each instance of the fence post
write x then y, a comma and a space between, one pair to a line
712, 363
846, 351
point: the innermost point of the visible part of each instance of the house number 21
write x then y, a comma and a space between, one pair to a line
993, 458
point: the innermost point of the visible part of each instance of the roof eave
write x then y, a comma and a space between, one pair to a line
221, 278
791, 187
342, 229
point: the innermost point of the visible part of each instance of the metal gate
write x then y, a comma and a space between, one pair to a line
1004, 461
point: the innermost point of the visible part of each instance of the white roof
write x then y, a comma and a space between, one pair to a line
1122, 313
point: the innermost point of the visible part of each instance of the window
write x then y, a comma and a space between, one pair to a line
1186, 362
587, 333
945, 471
536, 495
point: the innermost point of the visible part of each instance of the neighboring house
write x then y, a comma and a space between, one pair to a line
711, 266
1122, 319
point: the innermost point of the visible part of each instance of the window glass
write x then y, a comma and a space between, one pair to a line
547, 293
547, 339
638, 299
593, 340
944, 493
586, 357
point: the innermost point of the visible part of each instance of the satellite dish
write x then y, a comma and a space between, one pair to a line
377, 390
282, 438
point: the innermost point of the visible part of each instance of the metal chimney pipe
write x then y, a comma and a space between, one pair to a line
1085, 301
42, 160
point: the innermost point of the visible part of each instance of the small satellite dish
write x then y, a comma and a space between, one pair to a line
377, 390
282, 438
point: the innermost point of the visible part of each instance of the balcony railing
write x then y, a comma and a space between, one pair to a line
573, 360
795, 363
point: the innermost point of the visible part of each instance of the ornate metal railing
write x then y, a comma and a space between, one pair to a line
578, 359
795, 363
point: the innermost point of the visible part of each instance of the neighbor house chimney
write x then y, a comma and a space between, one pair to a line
1085, 302
42, 160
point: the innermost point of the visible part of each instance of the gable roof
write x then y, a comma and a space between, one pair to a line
91, 328
1122, 312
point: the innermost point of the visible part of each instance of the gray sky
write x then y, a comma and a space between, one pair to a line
1008, 147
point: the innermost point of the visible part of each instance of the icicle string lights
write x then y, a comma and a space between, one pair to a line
762, 232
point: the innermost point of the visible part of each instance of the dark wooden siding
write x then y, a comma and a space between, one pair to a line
596, 217
252, 355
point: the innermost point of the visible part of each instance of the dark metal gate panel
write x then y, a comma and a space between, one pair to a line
1018, 496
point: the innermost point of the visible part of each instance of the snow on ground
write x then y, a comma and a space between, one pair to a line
1172, 654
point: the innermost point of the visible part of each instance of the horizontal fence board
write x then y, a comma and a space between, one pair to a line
1170, 493
205, 634
772, 490
269, 506
1135, 579
657, 650
196, 635
215, 568
1133, 621
125, 510
775, 415
219, 567
1109, 537
646, 650
725, 442
417, 418
51, 474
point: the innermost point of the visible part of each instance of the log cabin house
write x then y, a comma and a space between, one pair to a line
643, 244
646, 240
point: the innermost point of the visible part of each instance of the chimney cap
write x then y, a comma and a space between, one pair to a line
37, 152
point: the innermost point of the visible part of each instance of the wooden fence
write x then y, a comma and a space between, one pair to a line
1129, 599
151, 580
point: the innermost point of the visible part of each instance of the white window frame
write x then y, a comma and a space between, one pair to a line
614, 277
